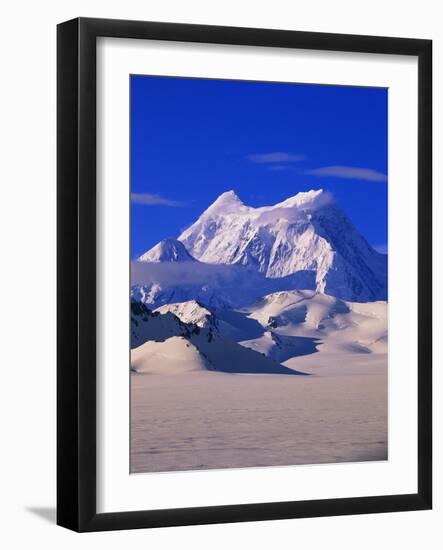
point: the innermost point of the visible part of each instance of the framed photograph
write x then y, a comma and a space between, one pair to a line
244, 274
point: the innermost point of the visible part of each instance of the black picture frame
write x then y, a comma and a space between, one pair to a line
76, 266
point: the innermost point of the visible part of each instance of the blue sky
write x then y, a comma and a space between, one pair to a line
193, 139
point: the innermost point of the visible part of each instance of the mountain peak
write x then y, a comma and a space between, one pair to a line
229, 196
308, 200
167, 250
226, 203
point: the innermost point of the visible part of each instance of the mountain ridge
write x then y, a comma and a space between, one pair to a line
167, 250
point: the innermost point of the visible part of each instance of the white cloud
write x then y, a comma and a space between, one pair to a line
271, 158
152, 198
348, 172
189, 273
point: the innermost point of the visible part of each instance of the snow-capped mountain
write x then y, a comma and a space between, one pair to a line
260, 290
167, 250
305, 234
148, 325
163, 344
190, 312
299, 329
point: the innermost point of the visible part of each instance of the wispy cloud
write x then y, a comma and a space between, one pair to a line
348, 172
275, 158
279, 167
382, 248
149, 199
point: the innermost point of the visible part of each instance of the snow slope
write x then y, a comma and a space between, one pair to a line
173, 356
200, 421
300, 323
300, 329
156, 336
